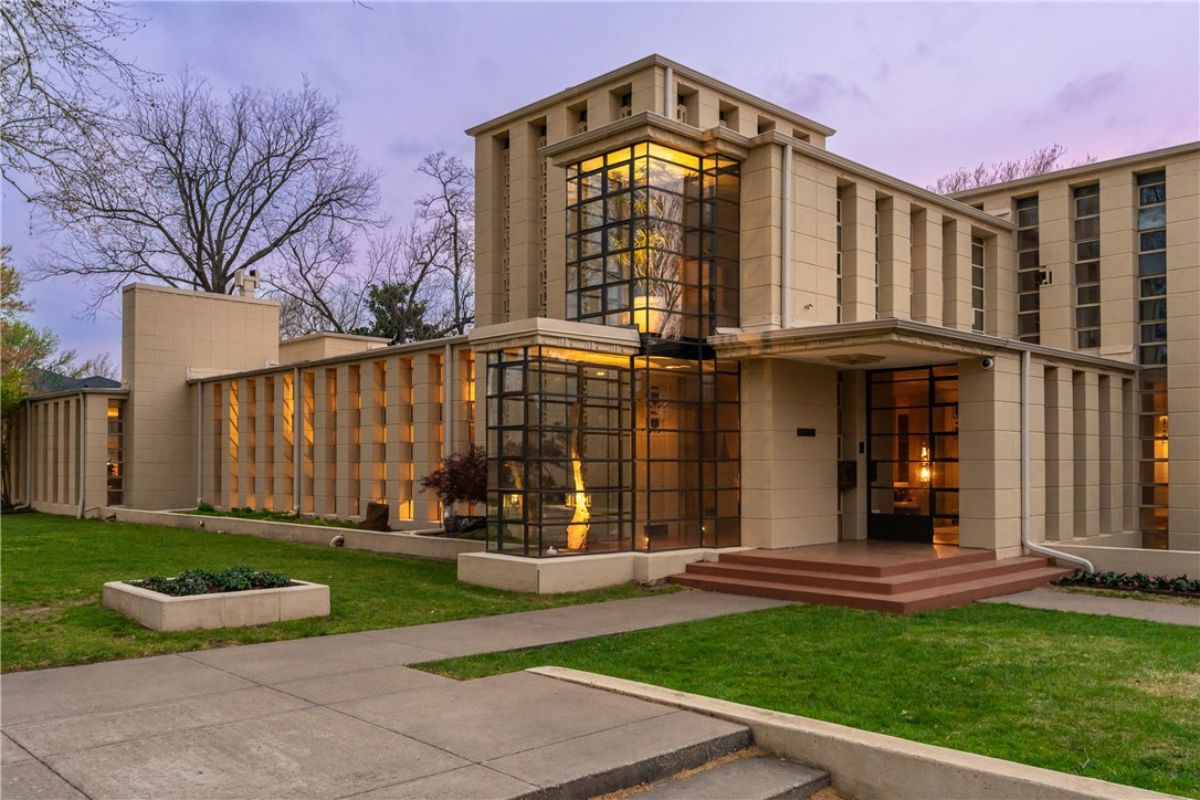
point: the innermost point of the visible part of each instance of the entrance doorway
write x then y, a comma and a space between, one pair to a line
912, 459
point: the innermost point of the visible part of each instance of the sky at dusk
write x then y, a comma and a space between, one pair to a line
913, 90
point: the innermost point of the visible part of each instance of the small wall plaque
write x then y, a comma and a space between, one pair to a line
806, 432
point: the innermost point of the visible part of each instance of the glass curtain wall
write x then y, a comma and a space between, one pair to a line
652, 241
592, 453
1152, 355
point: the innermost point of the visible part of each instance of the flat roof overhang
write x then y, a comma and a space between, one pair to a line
565, 334
890, 344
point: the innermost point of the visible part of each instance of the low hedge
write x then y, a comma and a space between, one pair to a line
199, 581
1133, 583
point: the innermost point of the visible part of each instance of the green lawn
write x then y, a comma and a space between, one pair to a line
1109, 698
52, 569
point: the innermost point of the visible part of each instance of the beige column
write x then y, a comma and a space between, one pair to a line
284, 409
346, 451
264, 445
789, 481
488, 231
1112, 455
1000, 286
1060, 454
1129, 426
399, 440
989, 434
1087, 453
814, 243
427, 430
1037, 450
858, 253
247, 439
556, 241
759, 278
310, 386
1056, 252
854, 440
956, 274
895, 252
1183, 332
228, 444
373, 447
325, 443
524, 246
70, 449
1118, 265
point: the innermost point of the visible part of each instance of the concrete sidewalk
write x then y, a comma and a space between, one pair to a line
341, 716
1083, 603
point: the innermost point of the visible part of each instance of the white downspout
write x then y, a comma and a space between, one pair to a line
447, 404
1041, 550
199, 443
297, 414
82, 461
785, 243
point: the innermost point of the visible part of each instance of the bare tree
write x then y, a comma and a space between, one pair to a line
189, 189
1041, 161
448, 214
314, 282
58, 73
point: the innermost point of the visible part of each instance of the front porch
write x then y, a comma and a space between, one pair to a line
901, 577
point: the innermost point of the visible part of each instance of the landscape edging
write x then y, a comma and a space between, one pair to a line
872, 766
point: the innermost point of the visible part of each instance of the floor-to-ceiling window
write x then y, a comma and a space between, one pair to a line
591, 452
1152, 355
652, 241
594, 453
912, 426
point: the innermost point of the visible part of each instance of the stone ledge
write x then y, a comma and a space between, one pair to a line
406, 543
873, 766
579, 573
163, 612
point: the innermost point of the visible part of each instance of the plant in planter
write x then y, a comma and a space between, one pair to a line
462, 478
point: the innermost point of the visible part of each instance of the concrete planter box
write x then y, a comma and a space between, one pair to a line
162, 612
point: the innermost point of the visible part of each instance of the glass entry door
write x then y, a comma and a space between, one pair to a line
912, 462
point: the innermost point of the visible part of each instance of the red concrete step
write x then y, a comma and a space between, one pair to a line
896, 584
798, 559
906, 602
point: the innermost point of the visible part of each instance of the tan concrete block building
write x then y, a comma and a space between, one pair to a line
698, 329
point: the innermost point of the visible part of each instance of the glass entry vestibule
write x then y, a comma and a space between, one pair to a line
594, 453
912, 461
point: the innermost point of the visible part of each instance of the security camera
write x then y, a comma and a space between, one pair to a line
987, 362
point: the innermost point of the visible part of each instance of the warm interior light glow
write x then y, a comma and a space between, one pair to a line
577, 528
925, 471
646, 317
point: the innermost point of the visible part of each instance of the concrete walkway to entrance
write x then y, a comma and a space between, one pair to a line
1084, 603
341, 716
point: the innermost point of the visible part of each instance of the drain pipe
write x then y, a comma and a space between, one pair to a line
199, 443
447, 403
785, 243
1042, 550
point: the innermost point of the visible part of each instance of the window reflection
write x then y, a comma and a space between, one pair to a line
913, 454
652, 241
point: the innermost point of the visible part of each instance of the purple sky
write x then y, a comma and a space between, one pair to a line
914, 90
